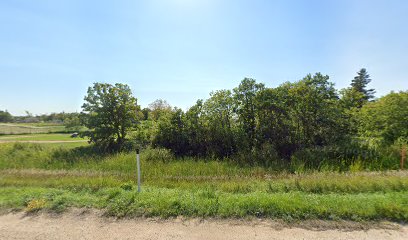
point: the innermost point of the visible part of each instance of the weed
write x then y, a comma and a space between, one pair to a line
35, 205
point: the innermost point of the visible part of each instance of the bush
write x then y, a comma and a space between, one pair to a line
127, 186
353, 156
266, 156
158, 154
18, 146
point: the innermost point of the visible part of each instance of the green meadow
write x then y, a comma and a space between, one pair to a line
50, 177
30, 128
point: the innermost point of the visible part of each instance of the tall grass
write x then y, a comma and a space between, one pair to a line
162, 163
311, 183
208, 203
35, 177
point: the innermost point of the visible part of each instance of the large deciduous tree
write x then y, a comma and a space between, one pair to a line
299, 115
314, 106
218, 115
158, 108
172, 133
386, 118
109, 112
245, 106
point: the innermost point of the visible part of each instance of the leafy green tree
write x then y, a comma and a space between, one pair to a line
245, 106
359, 84
172, 133
386, 118
351, 98
299, 115
158, 108
219, 121
274, 125
145, 133
146, 113
109, 112
195, 131
315, 111
351, 101
5, 116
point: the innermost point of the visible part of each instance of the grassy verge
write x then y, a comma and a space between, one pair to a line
208, 203
47, 177
317, 183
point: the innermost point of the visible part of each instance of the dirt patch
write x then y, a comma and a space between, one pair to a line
89, 224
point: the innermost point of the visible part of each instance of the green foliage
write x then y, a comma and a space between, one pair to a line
267, 126
159, 166
73, 123
157, 109
296, 151
359, 85
158, 154
145, 133
172, 133
220, 127
385, 118
5, 116
127, 186
109, 112
352, 98
46, 178
194, 131
300, 115
348, 156
207, 203
245, 106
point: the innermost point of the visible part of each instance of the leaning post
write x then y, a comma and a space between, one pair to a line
138, 169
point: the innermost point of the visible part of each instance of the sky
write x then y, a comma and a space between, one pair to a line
181, 50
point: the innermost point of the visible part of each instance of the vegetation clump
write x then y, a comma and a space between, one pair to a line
301, 150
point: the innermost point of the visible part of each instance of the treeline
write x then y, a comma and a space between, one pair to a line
5, 116
253, 118
309, 121
57, 118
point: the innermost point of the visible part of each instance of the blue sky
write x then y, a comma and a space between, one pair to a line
180, 50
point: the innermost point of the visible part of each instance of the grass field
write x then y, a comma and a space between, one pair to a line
44, 176
39, 137
30, 128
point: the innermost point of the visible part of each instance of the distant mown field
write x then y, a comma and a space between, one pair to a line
49, 177
30, 128
58, 137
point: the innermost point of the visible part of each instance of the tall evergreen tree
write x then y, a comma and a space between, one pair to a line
359, 84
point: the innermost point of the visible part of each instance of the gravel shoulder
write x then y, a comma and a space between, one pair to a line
88, 224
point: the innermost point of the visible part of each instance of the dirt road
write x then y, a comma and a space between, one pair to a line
93, 226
